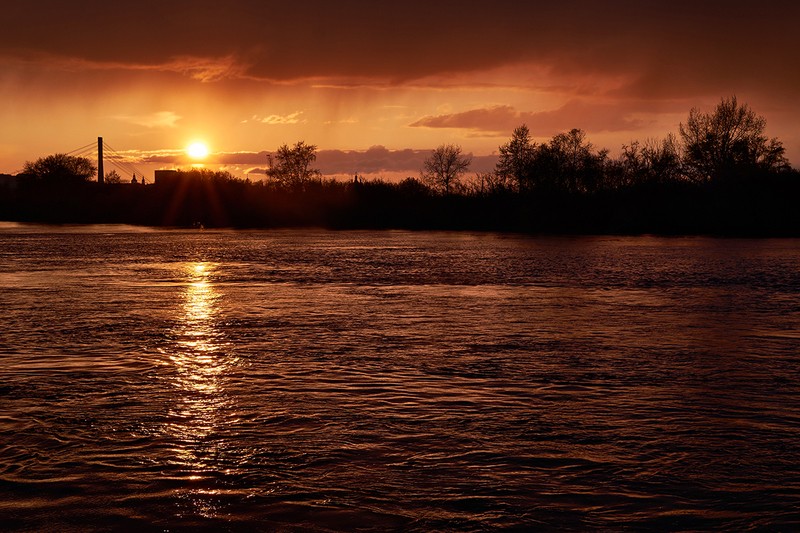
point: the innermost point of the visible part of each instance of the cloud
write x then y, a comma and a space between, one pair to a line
350, 120
696, 45
292, 118
493, 119
618, 64
160, 119
502, 119
379, 159
202, 68
376, 160
242, 158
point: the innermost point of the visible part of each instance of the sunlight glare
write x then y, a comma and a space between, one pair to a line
197, 150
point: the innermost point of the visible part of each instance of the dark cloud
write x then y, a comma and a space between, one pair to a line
494, 119
619, 64
694, 46
374, 161
225, 158
501, 120
379, 159
242, 158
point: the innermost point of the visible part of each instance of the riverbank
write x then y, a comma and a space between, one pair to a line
765, 208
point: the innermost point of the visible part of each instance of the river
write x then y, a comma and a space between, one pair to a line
303, 380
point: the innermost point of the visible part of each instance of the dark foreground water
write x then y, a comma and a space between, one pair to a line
310, 380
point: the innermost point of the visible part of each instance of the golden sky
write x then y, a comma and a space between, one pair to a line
376, 85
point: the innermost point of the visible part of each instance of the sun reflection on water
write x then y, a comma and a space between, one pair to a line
199, 363
199, 343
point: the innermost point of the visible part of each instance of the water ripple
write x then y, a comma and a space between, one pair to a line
306, 380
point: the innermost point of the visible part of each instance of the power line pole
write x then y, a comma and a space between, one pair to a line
100, 175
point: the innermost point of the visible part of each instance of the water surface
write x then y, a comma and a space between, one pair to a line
296, 380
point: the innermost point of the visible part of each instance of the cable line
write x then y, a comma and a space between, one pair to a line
82, 148
111, 156
119, 159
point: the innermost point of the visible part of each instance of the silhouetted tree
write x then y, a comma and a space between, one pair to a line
492, 183
653, 161
728, 142
289, 167
443, 168
113, 177
413, 187
60, 168
570, 164
516, 157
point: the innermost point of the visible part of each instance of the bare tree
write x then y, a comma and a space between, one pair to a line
654, 161
444, 167
290, 167
729, 141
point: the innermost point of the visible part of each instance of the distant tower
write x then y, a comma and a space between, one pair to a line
101, 178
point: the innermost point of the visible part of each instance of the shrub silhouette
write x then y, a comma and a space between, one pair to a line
60, 168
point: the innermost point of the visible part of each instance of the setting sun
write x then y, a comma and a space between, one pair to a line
197, 150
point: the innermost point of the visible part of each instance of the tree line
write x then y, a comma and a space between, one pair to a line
726, 144
720, 174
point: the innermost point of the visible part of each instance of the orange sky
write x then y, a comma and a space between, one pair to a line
377, 85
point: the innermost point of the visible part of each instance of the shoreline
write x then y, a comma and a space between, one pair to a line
760, 209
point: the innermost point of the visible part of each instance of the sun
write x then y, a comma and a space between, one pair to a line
197, 150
